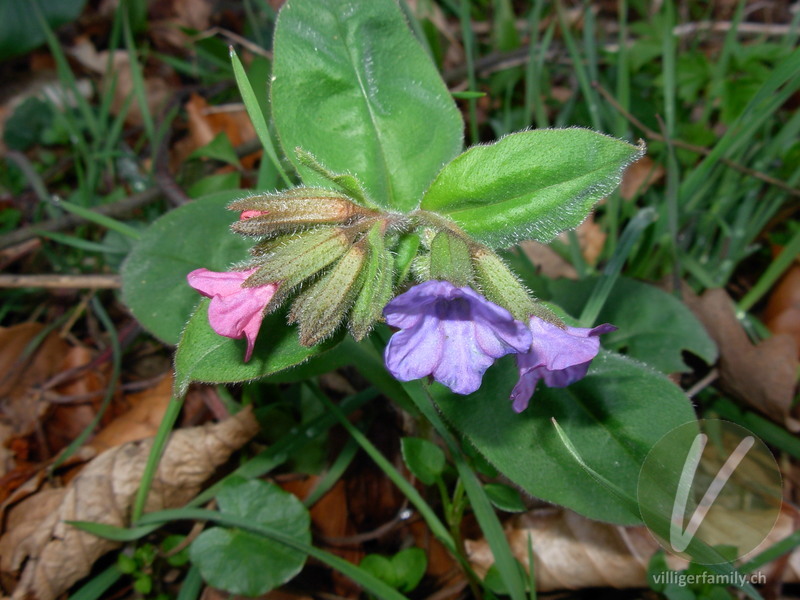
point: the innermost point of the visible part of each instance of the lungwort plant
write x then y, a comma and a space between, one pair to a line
383, 251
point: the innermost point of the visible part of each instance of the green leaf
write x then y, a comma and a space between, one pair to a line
213, 184
614, 416
204, 355
410, 565
241, 562
154, 274
220, 148
352, 86
529, 185
19, 28
27, 124
504, 497
654, 327
403, 571
423, 458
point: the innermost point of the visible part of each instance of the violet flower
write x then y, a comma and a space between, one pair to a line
558, 356
235, 311
452, 333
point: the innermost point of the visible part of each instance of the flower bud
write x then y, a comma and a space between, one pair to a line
320, 309
500, 285
406, 250
450, 259
377, 286
298, 257
267, 214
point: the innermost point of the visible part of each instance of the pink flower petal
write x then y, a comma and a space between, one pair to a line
249, 214
234, 311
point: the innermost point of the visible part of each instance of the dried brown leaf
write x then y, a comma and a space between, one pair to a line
764, 375
56, 555
591, 239
168, 18
206, 122
140, 422
65, 422
548, 261
120, 79
638, 177
782, 314
20, 408
573, 552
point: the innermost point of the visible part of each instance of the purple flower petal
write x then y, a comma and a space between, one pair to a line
558, 356
407, 309
451, 333
234, 311
413, 353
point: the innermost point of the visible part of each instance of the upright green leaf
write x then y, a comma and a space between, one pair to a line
529, 185
352, 86
614, 416
154, 274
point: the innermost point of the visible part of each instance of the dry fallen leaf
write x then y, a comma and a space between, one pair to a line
120, 79
549, 263
65, 422
591, 238
168, 18
764, 375
206, 122
140, 422
56, 555
573, 552
782, 314
638, 177
20, 409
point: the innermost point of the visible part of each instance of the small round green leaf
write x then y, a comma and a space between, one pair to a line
241, 562
381, 567
126, 564
423, 458
403, 571
504, 497
409, 566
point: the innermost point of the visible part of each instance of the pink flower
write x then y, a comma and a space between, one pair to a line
249, 214
558, 356
235, 311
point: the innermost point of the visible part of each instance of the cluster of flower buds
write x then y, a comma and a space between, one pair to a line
339, 259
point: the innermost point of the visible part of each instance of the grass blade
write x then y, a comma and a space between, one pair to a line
256, 116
